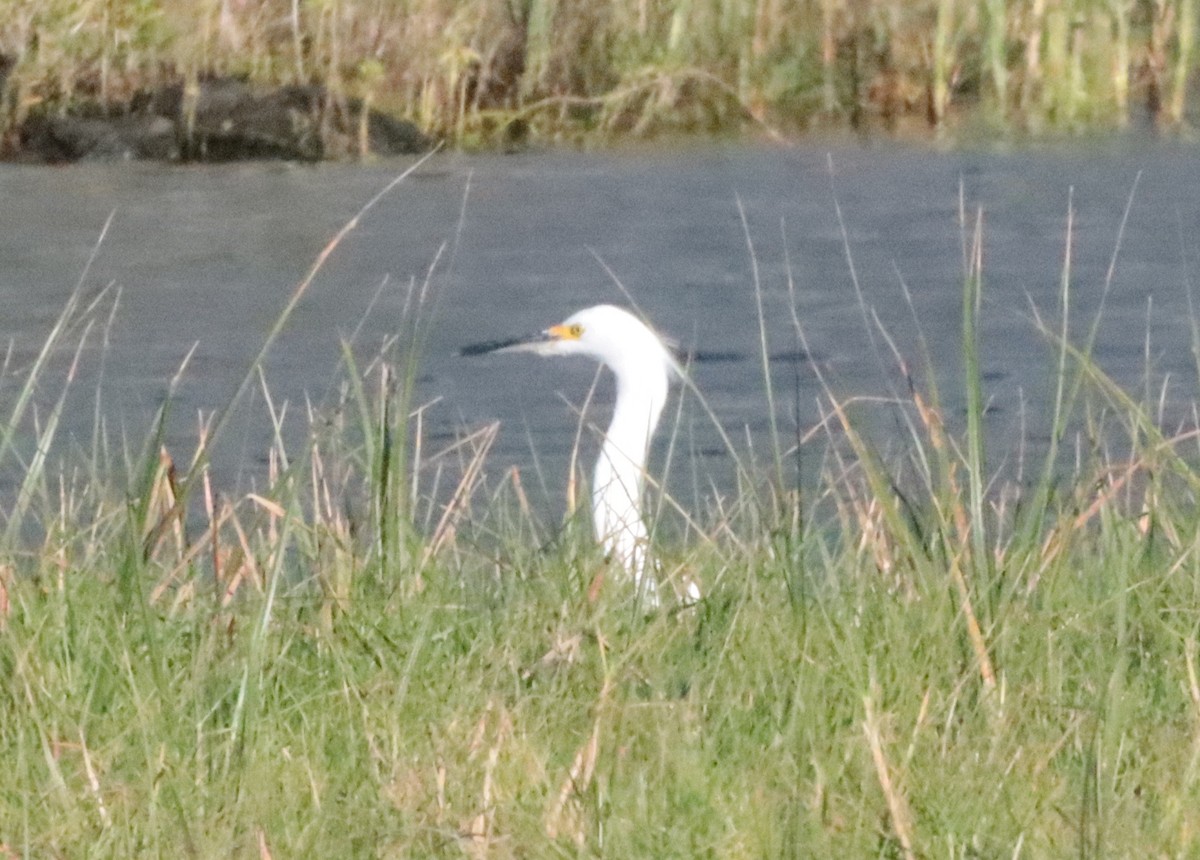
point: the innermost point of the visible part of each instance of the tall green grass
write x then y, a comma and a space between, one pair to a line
486, 72
377, 654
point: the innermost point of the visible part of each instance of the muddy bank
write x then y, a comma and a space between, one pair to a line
215, 120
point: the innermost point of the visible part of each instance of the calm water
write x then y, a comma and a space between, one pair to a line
208, 257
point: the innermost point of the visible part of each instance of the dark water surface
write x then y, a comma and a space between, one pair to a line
208, 256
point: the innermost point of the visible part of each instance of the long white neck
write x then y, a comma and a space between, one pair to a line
620, 470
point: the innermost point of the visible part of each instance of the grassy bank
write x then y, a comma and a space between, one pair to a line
913, 658
483, 72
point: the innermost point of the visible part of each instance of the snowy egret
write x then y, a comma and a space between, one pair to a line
643, 366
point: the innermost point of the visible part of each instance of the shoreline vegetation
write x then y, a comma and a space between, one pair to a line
916, 657
507, 73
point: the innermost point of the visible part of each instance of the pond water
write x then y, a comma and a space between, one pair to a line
206, 258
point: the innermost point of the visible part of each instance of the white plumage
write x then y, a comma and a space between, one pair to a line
643, 366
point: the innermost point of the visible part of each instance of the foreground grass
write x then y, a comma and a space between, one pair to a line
811, 706
905, 661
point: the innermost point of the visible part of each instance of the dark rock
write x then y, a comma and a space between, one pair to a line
7, 63
222, 119
388, 135
73, 138
227, 120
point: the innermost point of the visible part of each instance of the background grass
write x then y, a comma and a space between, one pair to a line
913, 658
485, 72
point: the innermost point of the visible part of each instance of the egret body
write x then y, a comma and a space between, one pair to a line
643, 366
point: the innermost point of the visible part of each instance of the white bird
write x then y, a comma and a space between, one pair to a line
643, 366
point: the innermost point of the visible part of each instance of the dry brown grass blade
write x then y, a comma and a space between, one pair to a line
165, 504
872, 534
861, 514
5, 606
880, 489
214, 531
165, 497
974, 632
935, 429
519, 488
477, 833
274, 510
240, 561
264, 850
1152, 501
1189, 656
1142, 463
1060, 535
94, 781
564, 651
328, 498
334, 542
596, 586
275, 515
457, 506
564, 817
898, 811
185, 560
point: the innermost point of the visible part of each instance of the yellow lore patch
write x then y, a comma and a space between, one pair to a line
565, 332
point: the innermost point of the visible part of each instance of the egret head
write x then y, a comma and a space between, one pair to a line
608, 334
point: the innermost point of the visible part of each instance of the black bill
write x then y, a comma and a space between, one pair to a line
500, 345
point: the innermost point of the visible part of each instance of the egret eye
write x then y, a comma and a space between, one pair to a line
575, 330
